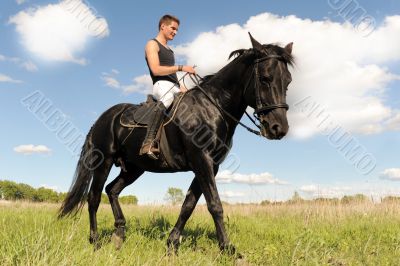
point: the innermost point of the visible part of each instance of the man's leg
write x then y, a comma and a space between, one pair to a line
163, 91
148, 146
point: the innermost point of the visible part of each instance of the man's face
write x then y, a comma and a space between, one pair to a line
169, 30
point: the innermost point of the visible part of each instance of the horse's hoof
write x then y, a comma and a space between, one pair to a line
239, 257
173, 246
172, 251
241, 262
230, 250
117, 240
96, 245
93, 238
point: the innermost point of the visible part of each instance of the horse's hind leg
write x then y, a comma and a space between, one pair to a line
113, 190
192, 196
94, 197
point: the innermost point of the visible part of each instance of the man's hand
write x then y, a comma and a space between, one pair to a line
188, 69
183, 89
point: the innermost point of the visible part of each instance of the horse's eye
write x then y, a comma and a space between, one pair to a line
265, 80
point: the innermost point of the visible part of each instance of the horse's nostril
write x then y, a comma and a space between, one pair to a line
275, 128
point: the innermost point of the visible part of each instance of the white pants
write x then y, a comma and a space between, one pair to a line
165, 91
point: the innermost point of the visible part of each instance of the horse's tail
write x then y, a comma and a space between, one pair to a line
83, 176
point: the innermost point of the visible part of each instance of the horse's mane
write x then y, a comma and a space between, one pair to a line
270, 49
207, 78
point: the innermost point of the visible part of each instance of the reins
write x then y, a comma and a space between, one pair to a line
195, 79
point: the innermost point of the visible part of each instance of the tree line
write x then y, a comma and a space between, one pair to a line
10, 190
347, 199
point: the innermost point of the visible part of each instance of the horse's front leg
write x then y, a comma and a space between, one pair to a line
205, 172
192, 196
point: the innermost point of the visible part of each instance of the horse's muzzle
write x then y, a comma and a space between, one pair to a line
273, 130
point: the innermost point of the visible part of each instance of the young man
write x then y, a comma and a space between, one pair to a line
161, 62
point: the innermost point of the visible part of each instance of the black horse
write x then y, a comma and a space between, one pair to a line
197, 139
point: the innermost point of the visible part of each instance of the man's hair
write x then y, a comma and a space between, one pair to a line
167, 19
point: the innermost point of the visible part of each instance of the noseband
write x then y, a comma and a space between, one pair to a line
261, 107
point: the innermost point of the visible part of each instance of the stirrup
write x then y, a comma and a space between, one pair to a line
149, 153
152, 155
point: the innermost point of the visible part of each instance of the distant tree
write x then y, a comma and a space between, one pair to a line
265, 202
358, 198
27, 191
327, 200
131, 199
391, 199
174, 195
46, 195
11, 190
295, 198
62, 196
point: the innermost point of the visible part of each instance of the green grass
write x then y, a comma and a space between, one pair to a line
302, 234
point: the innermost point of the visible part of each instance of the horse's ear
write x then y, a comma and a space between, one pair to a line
256, 45
289, 48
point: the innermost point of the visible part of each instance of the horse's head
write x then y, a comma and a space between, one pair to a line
271, 77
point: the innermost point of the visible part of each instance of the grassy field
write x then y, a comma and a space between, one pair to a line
302, 234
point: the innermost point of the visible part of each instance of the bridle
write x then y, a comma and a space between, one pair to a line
261, 108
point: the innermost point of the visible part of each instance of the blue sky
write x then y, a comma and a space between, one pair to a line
351, 72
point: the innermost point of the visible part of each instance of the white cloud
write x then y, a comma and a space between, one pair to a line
226, 177
20, 2
394, 122
30, 149
57, 32
231, 194
342, 70
327, 192
27, 65
5, 78
111, 82
141, 84
392, 174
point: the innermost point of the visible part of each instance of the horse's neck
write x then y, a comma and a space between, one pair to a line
227, 88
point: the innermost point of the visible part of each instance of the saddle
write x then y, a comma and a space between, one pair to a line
140, 115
